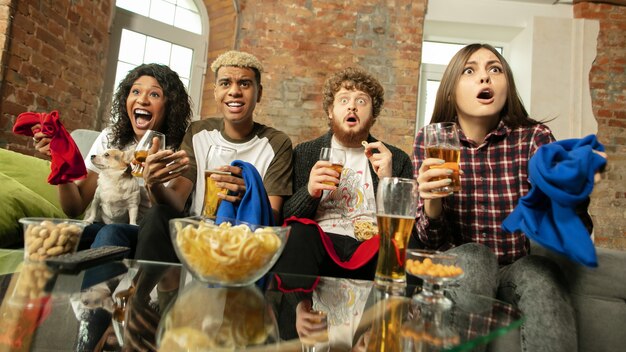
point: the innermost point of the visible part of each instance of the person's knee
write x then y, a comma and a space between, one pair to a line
300, 236
480, 267
158, 212
114, 235
541, 272
475, 254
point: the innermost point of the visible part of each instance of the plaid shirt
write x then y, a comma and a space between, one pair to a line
494, 178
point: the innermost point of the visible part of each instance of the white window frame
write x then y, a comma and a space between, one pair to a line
124, 19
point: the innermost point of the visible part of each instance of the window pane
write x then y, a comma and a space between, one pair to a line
141, 7
431, 93
162, 11
187, 4
157, 51
180, 60
185, 83
188, 20
132, 46
182, 14
121, 72
439, 53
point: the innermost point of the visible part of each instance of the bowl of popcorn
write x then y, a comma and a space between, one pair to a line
227, 252
50, 237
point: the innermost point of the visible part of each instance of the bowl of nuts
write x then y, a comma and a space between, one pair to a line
231, 253
50, 237
437, 270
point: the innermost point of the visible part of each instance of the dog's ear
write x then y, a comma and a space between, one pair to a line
128, 156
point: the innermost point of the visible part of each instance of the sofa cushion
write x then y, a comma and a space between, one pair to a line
17, 202
31, 172
24, 193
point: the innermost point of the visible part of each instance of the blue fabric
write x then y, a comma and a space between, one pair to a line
561, 175
254, 207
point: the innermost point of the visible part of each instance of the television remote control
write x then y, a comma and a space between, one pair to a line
81, 260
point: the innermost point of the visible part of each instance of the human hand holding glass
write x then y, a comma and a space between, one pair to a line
142, 148
217, 157
337, 157
312, 326
441, 141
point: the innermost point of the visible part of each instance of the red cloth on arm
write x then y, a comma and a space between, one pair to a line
67, 163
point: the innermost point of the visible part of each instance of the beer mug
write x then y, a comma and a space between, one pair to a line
337, 157
142, 148
441, 141
217, 156
396, 205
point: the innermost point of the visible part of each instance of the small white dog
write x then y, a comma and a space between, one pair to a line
117, 196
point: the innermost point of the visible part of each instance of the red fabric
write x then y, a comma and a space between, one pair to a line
67, 163
18, 335
362, 255
282, 289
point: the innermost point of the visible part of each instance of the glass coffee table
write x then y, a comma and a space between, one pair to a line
147, 306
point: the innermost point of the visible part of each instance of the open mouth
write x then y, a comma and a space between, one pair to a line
485, 94
352, 120
142, 118
235, 106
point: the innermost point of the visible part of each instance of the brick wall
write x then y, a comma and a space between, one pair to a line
300, 42
222, 37
608, 93
55, 59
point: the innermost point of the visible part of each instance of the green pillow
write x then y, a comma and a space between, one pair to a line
17, 201
31, 172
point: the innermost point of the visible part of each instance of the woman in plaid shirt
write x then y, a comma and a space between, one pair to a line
498, 138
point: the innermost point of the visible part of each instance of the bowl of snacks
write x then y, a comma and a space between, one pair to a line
228, 252
50, 237
436, 269
237, 318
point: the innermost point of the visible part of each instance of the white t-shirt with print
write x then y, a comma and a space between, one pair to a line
354, 197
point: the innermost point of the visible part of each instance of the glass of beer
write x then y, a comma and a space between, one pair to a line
141, 150
396, 204
217, 156
441, 141
337, 158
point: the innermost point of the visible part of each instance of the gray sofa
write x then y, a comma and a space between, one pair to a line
599, 295
599, 298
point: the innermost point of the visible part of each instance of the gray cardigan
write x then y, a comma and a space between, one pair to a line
306, 154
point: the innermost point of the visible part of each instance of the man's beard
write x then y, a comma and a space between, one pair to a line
350, 138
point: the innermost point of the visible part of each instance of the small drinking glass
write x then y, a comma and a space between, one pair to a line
318, 340
337, 158
142, 148
396, 203
441, 141
217, 156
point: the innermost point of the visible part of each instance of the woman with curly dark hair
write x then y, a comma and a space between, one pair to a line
150, 97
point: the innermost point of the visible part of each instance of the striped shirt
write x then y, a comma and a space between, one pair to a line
494, 177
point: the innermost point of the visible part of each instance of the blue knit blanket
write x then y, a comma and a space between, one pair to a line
562, 177
254, 207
